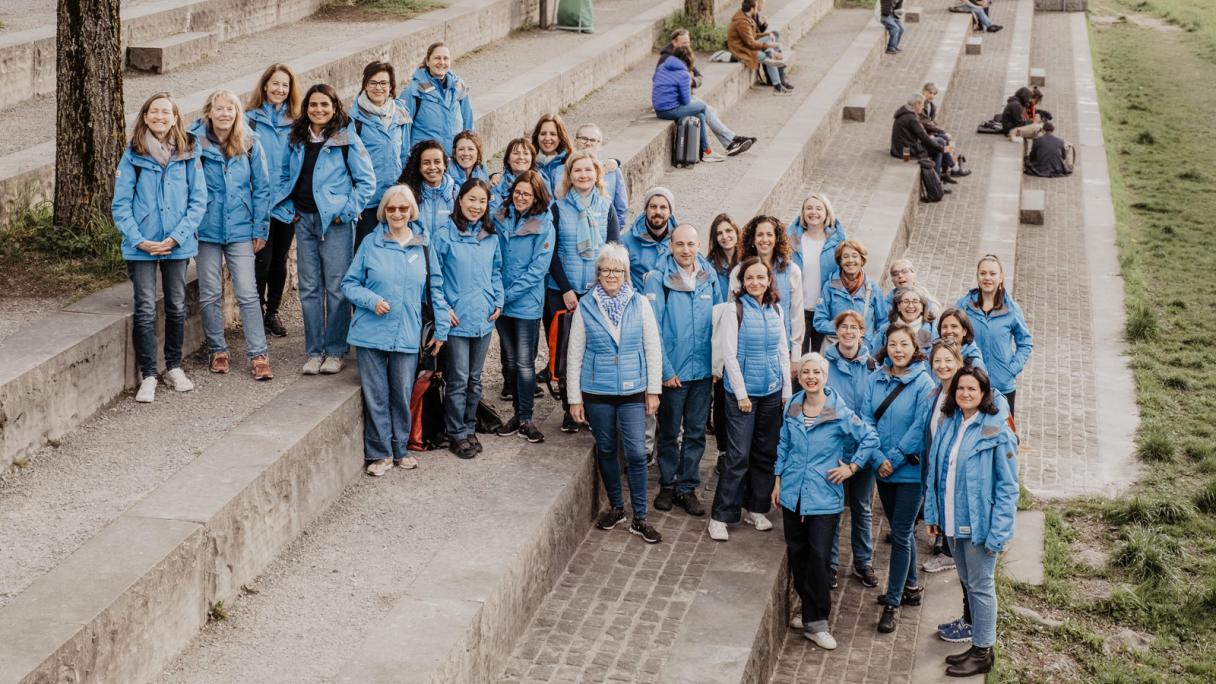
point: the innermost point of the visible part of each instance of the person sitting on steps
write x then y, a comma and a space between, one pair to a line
979, 11
909, 135
671, 97
951, 161
680, 38
1050, 157
742, 42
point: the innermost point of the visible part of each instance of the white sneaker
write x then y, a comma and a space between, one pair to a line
312, 366
147, 390
717, 531
796, 621
378, 468
762, 523
823, 640
409, 463
331, 365
938, 563
178, 380
713, 158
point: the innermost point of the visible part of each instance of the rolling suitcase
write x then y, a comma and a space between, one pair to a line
686, 142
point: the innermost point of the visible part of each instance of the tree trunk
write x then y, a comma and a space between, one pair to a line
90, 129
701, 10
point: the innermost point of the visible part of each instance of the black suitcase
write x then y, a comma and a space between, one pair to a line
686, 142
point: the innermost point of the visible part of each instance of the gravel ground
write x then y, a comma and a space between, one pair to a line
18, 312
20, 15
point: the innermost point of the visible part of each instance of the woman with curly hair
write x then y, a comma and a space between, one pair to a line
766, 237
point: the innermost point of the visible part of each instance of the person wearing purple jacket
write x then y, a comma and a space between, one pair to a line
671, 97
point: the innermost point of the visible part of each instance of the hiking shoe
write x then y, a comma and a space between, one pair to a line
782, 89
887, 622
759, 520
176, 378
312, 366
379, 468
913, 596
530, 432
690, 504
259, 366
866, 574
994, 28
569, 425
610, 518
938, 563
147, 390
664, 500
219, 363
645, 530
738, 146
955, 632
509, 428
332, 365
463, 448
475, 442
823, 640
274, 326
408, 463
717, 530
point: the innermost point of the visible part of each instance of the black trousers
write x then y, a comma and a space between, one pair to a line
1010, 398
747, 477
270, 265
813, 339
808, 539
365, 224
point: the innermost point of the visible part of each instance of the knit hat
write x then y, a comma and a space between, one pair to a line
662, 192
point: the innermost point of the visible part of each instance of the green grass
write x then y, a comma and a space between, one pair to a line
705, 37
35, 259
356, 9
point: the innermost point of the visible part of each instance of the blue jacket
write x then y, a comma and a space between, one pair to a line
334, 191
238, 192
159, 202
925, 336
901, 431
577, 270
644, 251
273, 129
439, 109
827, 256
685, 317
383, 269
614, 186
849, 379
527, 249
759, 342
1003, 337
986, 480
552, 171
471, 263
459, 176
724, 281
835, 298
671, 86
435, 205
806, 454
386, 145
610, 367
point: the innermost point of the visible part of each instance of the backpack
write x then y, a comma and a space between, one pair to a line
931, 188
426, 412
559, 341
992, 126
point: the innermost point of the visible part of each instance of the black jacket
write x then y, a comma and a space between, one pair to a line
927, 119
909, 132
1047, 158
887, 7
1014, 115
669, 51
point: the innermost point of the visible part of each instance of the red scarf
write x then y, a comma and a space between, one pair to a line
854, 286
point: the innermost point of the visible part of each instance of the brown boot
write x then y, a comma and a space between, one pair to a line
219, 362
261, 368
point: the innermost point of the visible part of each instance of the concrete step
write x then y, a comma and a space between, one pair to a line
166, 54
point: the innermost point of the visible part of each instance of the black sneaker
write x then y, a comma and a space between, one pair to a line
610, 518
530, 432
946, 178
506, 395
835, 577
569, 425
538, 393
509, 428
960, 172
664, 500
543, 376
788, 86
475, 442
866, 574
646, 531
690, 504
994, 28
738, 146
652, 458
273, 325
913, 596
887, 621
463, 448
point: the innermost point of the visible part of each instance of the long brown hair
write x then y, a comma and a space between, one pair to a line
540, 192
998, 297
770, 295
177, 133
258, 98
781, 246
563, 136
239, 141
717, 253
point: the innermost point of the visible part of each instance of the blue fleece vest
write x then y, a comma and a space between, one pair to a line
609, 367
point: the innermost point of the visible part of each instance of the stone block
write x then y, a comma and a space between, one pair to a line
171, 52
912, 15
1038, 77
1061, 5
975, 45
1023, 558
855, 107
1033, 207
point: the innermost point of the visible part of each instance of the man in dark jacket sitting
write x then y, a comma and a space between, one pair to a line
908, 133
679, 38
952, 162
1050, 157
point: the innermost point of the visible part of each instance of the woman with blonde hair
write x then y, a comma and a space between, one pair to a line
814, 235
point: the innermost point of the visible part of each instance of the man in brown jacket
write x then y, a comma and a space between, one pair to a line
743, 45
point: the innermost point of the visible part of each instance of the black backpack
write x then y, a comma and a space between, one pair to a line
931, 189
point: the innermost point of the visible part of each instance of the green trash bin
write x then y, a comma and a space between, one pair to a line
575, 15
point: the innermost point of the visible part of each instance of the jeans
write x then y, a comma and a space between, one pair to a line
709, 117
859, 492
977, 570
631, 417
900, 503
143, 282
270, 265
807, 539
463, 359
895, 31
239, 256
751, 452
388, 383
774, 72
517, 338
719, 411
365, 224
321, 261
684, 409
980, 16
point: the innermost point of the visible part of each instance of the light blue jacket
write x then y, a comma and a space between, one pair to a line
644, 251
611, 367
849, 379
336, 194
827, 256
759, 341
527, 245
435, 204
835, 298
1003, 337
238, 192
553, 170
439, 109
806, 454
901, 432
154, 202
685, 317
387, 145
986, 480
459, 176
383, 269
273, 129
614, 186
471, 263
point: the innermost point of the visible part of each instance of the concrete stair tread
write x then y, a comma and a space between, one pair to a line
171, 53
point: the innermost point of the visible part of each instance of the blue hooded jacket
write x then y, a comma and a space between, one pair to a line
159, 202
439, 108
552, 170
459, 176
672, 85
471, 262
614, 186
386, 144
435, 204
527, 245
827, 256
835, 298
684, 316
273, 129
337, 195
238, 192
644, 251
849, 379
1003, 337
901, 431
806, 454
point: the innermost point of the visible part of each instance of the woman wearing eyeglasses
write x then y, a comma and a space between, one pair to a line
384, 127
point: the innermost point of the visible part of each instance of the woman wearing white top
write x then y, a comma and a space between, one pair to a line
815, 234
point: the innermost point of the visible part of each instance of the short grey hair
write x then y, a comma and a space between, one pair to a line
394, 192
613, 252
813, 357
592, 126
929, 87
916, 100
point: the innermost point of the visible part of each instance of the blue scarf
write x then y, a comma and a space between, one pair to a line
587, 240
614, 307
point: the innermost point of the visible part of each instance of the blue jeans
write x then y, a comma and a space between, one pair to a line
709, 118
463, 359
517, 338
900, 503
388, 382
895, 31
631, 417
747, 478
239, 256
774, 74
683, 409
143, 282
977, 570
321, 261
859, 491
980, 16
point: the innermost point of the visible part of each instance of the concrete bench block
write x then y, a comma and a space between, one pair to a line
975, 45
912, 15
855, 107
171, 52
1033, 207
1038, 77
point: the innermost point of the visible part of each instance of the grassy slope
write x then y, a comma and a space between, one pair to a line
1158, 97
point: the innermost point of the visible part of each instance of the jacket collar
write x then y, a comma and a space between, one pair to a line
1001, 308
831, 407
674, 280
380, 237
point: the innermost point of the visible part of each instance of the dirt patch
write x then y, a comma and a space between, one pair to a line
1041, 665
1141, 20
1095, 589
375, 10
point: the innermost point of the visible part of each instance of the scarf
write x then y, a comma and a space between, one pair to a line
162, 153
614, 307
384, 112
543, 160
587, 239
852, 287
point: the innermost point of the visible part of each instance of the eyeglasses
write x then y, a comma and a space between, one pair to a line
396, 210
910, 302
902, 271
377, 84
588, 141
612, 271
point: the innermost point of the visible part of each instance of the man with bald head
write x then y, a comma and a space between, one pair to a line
683, 289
